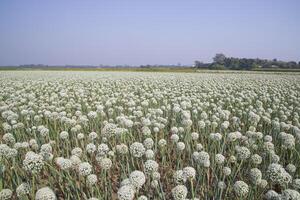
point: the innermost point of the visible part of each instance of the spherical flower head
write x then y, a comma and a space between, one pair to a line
226, 171
296, 184
155, 175
174, 138
45, 193
109, 130
187, 123
137, 149
63, 163
46, 148
22, 190
255, 176
180, 146
256, 159
219, 158
176, 109
214, 125
92, 115
84, 169
122, 149
277, 174
189, 173
221, 185
199, 147
64, 135
203, 159
10, 153
268, 138
232, 136
93, 136
178, 176
201, 124
126, 192
105, 163
80, 136
162, 143
289, 141
76, 151
142, 197
271, 195
232, 159
195, 136
44, 132
103, 149
75, 161
9, 138
215, 137
150, 166
154, 184
289, 194
146, 131
243, 153
240, 188
33, 162
137, 179
174, 130
91, 179
90, 148
291, 168
179, 192
148, 143
268, 147
263, 183
6, 194
225, 125
33, 144
149, 154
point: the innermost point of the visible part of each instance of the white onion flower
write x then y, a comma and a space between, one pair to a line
137, 149
23, 189
126, 192
137, 179
179, 192
150, 166
6, 194
91, 179
105, 163
241, 188
33, 162
84, 169
45, 193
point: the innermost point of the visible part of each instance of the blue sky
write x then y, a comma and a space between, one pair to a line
138, 32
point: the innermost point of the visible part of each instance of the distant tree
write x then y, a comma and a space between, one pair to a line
220, 61
219, 58
292, 64
198, 64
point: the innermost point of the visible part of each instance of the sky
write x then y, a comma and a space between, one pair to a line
136, 32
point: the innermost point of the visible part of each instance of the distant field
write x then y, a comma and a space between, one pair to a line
152, 69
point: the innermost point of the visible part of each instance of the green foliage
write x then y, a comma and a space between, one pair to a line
223, 62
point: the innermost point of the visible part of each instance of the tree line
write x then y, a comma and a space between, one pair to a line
220, 61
